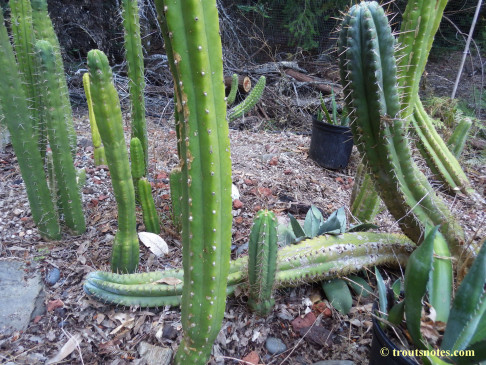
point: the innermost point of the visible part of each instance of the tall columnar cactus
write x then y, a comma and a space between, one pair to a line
262, 262
369, 76
191, 33
312, 260
99, 150
150, 216
230, 99
250, 101
106, 106
175, 182
458, 138
365, 202
43, 29
24, 140
137, 161
23, 36
67, 187
134, 56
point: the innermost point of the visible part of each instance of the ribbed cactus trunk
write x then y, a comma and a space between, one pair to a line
106, 106
191, 33
134, 56
24, 140
365, 201
369, 75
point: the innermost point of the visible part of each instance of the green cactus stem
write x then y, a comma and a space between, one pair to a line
44, 30
250, 101
134, 56
262, 260
23, 37
457, 140
175, 182
192, 31
150, 217
65, 173
137, 163
99, 150
365, 202
368, 70
230, 99
106, 106
312, 260
24, 140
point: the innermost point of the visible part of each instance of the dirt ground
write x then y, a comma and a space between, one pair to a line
272, 170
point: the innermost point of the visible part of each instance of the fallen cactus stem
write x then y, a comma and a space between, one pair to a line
312, 260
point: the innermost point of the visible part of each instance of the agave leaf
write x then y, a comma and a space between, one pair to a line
285, 235
383, 301
313, 220
395, 315
397, 288
338, 294
480, 334
335, 224
362, 227
416, 277
297, 229
468, 307
479, 351
360, 286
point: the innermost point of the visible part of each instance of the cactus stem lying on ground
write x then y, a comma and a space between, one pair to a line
312, 260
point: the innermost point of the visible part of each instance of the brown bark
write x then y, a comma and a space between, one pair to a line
316, 82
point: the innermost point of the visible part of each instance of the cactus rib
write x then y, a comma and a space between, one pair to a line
230, 99
24, 141
312, 260
369, 74
150, 217
65, 173
262, 260
106, 106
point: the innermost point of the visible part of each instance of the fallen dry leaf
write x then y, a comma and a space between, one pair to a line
168, 281
66, 350
154, 242
53, 304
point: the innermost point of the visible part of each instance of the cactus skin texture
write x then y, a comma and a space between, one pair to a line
24, 140
230, 99
175, 181
365, 202
192, 33
99, 150
43, 29
458, 139
65, 173
368, 74
312, 260
150, 217
250, 100
262, 262
137, 163
106, 106
134, 56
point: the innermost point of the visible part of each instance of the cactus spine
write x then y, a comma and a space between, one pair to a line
262, 262
312, 260
43, 29
24, 140
99, 150
150, 217
251, 100
192, 33
134, 56
365, 202
368, 73
70, 198
106, 106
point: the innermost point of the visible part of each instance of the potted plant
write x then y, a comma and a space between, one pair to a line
331, 141
441, 328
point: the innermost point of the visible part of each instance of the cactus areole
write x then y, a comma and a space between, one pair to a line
191, 32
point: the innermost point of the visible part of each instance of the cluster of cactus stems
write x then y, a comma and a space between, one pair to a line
312, 260
134, 57
106, 106
99, 150
41, 119
250, 101
262, 262
365, 201
369, 76
193, 44
421, 20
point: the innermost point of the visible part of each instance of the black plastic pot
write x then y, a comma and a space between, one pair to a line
331, 145
382, 347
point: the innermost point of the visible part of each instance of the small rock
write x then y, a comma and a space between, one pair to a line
334, 362
266, 158
17, 212
252, 358
53, 276
169, 332
154, 355
275, 345
305, 322
237, 204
